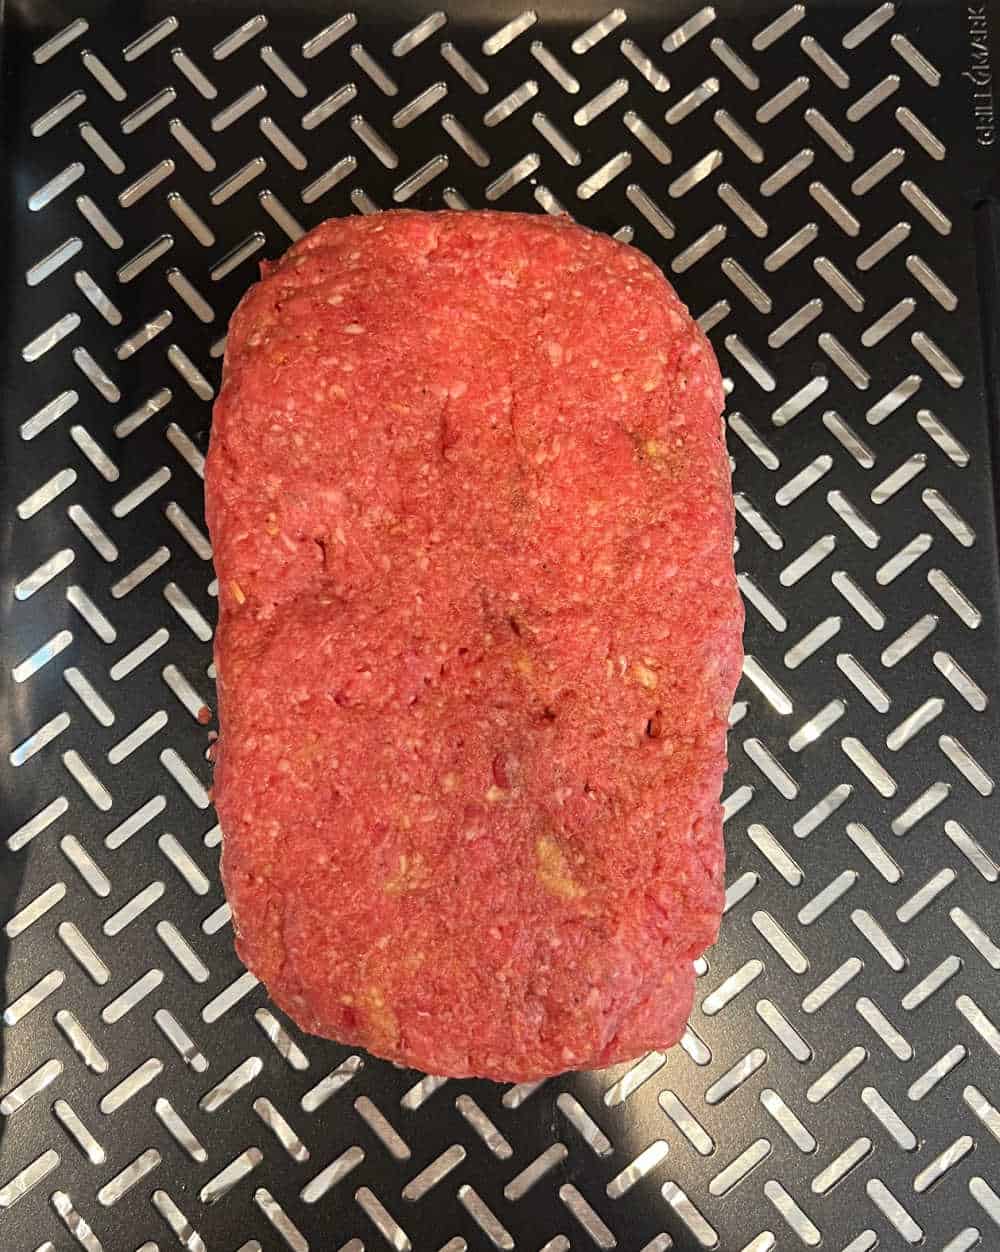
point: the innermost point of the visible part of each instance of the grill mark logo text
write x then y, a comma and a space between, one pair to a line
980, 75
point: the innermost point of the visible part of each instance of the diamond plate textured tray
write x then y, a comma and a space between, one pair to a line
811, 178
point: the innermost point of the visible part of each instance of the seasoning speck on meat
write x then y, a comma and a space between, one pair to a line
478, 636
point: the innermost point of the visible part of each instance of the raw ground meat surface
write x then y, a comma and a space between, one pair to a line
479, 632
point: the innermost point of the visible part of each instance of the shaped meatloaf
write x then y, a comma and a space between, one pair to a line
478, 636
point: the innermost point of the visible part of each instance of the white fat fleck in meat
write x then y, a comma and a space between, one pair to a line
555, 352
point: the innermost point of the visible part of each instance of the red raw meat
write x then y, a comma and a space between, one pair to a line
479, 633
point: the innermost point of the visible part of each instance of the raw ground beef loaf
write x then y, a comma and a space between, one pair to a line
479, 632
